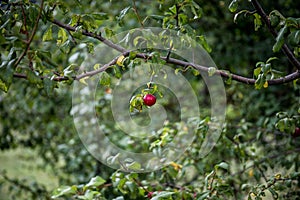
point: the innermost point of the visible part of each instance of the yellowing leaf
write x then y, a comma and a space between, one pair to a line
120, 60
176, 166
277, 176
48, 34
96, 66
251, 173
83, 80
266, 84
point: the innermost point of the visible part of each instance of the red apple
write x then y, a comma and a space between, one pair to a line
149, 99
297, 132
149, 195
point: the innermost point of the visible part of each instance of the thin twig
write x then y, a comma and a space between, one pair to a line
97, 71
169, 52
32, 35
137, 14
140, 184
27, 35
24, 22
177, 15
73, 39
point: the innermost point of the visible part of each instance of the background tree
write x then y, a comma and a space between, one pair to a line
43, 43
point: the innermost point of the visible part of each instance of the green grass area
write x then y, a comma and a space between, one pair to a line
24, 164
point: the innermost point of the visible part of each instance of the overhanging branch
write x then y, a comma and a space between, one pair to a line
90, 34
29, 40
222, 73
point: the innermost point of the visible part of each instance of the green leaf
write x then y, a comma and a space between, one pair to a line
96, 66
277, 13
294, 38
195, 72
233, 6
291, 21
88, 21
132, 187
265, 68
95, 182
208, 177
48, 34
173, 9
260, 81
163, 194
64, 191
68, 71
123, 13
32, 77
132, 55
204, 195
108, 32
121, 184
286, 125
270, 59
259, 64
157, 17
105, 79
4, 86
274, 19
100, 15
257, 71
12, 55
204, 43
62, 36
6, 74
274, 193
155, 57
294, 175
238, 14
257, 21
89, 195
132, 176
5, 24
280, 39
138, 40
135, 166
229, 79
173, 170
281, 115
117, 72
75, 19
90, 47
245, 186
177, 70
48, 86
222, 165
183, 19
